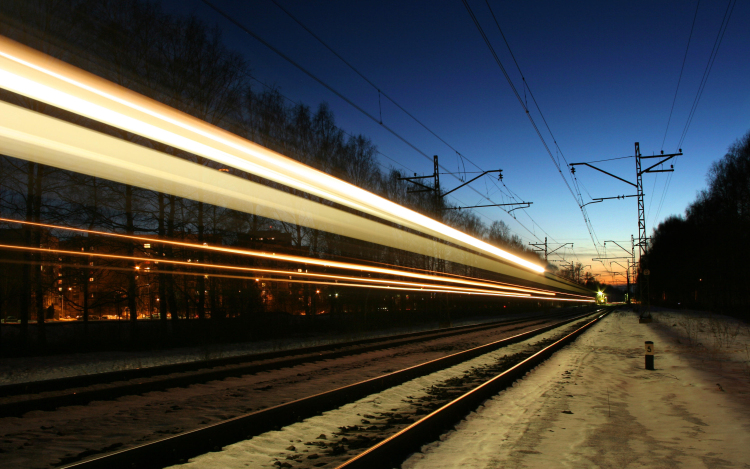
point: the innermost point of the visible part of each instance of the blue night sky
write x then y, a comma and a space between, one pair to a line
603, 73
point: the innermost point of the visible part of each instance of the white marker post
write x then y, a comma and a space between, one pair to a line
649, 355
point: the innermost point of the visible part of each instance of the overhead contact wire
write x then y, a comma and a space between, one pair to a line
709, 66
680, 77
578, 199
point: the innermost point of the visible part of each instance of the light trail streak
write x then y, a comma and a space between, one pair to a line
37, 76
270, 256
398, 288
391, 284
411, 285
35, 137
311, 282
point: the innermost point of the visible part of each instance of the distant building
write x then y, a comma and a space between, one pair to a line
12, 275
265, 240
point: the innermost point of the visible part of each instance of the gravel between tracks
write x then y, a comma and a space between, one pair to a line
337, 435
43, 439
26, 369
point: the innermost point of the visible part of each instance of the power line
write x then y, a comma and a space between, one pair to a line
347, 133
709, 66
701, 87
653, 191
663, 197
340, 95
381, 92
376, 87
680, 78
578, 199
311, 75
460, 202
611, 159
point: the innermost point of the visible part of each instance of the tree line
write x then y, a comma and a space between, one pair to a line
699, 260
180, 61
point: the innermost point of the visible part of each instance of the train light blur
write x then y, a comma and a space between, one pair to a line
364, 281
295, 259
28, 135
38, 76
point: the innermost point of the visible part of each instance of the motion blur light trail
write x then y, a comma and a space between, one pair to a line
260, 254
364, 281
30, 73
33, 136
399, 286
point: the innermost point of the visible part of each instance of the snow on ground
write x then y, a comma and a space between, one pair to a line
593, 404
264, 450
40, 439
28, 369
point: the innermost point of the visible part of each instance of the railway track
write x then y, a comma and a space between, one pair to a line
393, 450
17, 399
482, 382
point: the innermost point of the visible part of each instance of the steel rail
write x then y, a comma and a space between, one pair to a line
204, 370
179, 448
392, 451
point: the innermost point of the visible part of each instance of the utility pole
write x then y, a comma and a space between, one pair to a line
632, 262
439, 195
539, 246
581, 272
566, 265
627, 279
444, 310
437, 177
627, 269
642, 238
558, 247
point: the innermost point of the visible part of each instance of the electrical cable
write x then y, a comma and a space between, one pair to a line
653, 191
461, 156
680, 78
663, 197
340, 95
578, 198
377, 88
363, 76
611, 159
459, 201
380, 92
709, 66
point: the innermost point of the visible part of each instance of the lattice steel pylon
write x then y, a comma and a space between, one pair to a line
642, 237
641, 205
642, 292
